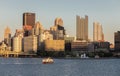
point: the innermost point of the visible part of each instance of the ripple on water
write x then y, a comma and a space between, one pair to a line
61, 67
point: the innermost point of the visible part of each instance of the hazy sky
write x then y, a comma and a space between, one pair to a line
107, 12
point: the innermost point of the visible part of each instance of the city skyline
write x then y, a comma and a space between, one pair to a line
105, 12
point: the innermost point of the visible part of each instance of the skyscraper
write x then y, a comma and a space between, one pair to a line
117, 40
38, 28
58, 30
97, 32
29, 19
7, 36
7, 33
82, 28
28, 23
59, 21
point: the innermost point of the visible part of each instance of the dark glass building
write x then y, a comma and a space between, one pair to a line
29, 19
117, 41
28, 23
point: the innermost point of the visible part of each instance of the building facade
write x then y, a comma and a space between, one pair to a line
68, 41
59, 21
19, 33
102, 46
58, 33
38, 29
46, 35
117, 40
54, 45
28, 23
17, 44
30, 44
7, 36
82, 28
3, 47
79, 46
58, 30
29, 19
97, 32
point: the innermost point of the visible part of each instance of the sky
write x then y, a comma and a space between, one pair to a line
106, 12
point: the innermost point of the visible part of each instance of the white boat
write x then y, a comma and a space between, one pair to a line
47, 60
84, 56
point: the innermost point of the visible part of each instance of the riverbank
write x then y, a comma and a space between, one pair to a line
64, 57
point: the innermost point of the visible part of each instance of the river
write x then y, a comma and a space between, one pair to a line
60, 67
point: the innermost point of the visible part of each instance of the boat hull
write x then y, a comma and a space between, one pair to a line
47, 61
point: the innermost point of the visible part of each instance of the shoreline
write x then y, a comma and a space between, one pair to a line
66, 57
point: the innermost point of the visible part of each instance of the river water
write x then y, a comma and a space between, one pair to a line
61, 67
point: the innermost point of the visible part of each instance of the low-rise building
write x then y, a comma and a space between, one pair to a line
91, 47
79, 46
68, 41
101, 46
3, 47
54, 45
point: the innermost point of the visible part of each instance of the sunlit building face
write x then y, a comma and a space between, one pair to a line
97, 32
59, 21
82, 28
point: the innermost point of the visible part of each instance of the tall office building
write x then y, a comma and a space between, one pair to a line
58, 30
29, 19
38, 29
7, 36
7, 33
28, 23
117, 40
82, 28
59, 21
97, 32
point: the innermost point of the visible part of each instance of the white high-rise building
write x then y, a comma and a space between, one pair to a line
97, 32
38, 28
17, 44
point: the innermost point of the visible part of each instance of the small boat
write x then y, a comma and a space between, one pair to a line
84, 56
47, 60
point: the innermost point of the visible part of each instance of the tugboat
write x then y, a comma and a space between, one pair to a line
48, 60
